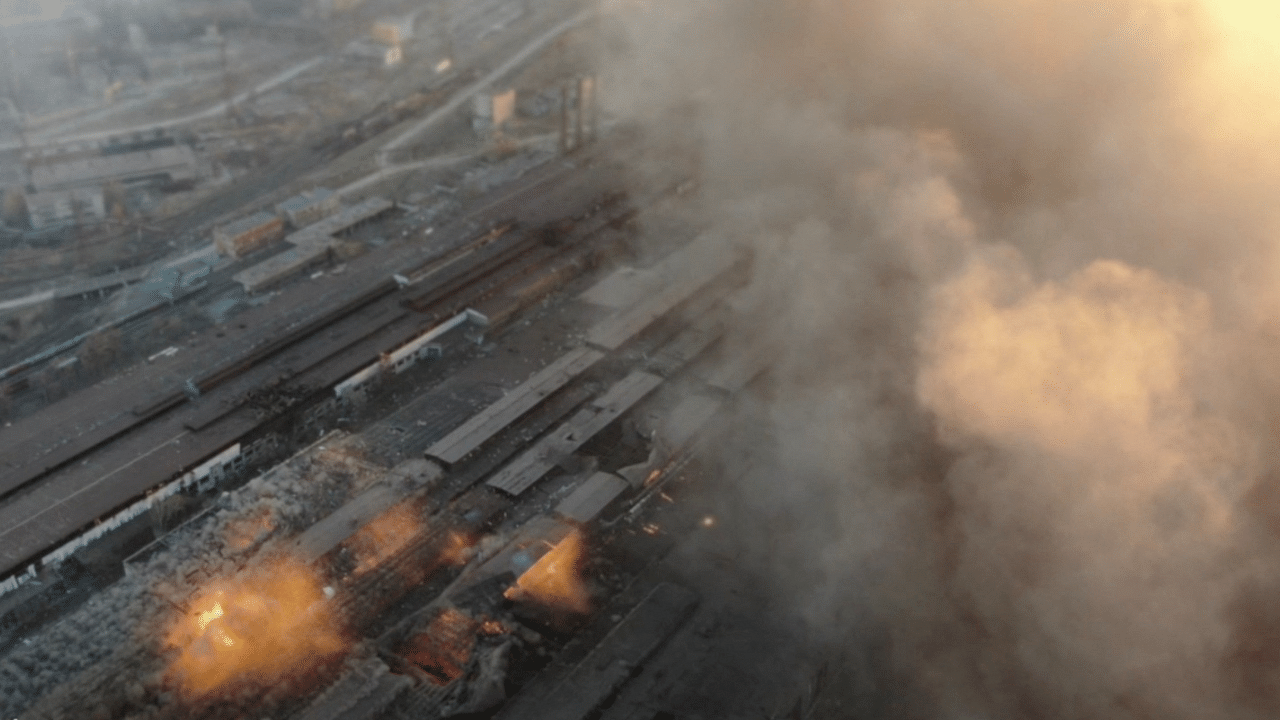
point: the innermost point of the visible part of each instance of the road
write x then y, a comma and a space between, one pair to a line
50, 137
472, 90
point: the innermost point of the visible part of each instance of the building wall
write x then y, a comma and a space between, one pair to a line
300, 217
238, 244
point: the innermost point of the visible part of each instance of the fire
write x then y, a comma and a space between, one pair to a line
244, 533
261, 626
555, 580
209, 616
458, 550
390, 533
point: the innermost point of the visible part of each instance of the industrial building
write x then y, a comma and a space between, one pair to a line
312, 245
278, 267
343, 221
80, 206
248, 234
309, 207
173, 164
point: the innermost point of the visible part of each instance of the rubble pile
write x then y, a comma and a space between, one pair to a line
124, 623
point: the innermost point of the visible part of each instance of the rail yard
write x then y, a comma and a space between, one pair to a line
639, 360
386, 452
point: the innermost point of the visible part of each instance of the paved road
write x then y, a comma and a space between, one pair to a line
215, 109
469, 92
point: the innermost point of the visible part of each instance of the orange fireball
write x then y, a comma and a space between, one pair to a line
555, 581
260, 626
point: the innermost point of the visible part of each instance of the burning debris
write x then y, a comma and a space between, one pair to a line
459, 549
243, 533
555, 582
459, 657
390, 533
443, 649
261, 627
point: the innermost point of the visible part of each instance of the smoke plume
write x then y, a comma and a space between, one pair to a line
1020, 259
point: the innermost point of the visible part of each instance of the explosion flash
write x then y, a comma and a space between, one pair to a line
261, 627
555, 581
388, 534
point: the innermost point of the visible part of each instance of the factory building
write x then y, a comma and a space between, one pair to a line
172, 164
312, 245
78, 206
248, 234
310, 207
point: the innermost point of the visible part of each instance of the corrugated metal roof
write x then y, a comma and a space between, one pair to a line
282, 265
529, 467
682, 274
622, 288
591, 497
476, 431
341, 220
687, 419
395, 487
425, 420
253, 222
742, 367
591, 682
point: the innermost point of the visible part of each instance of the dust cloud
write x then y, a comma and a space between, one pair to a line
1022, 261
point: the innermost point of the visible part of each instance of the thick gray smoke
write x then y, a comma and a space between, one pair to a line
1019, 258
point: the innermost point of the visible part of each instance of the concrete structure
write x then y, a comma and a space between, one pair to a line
247, 235
173, 164
308, 208
77, 206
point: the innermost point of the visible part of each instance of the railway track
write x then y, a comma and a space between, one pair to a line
480, 472
95, 455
